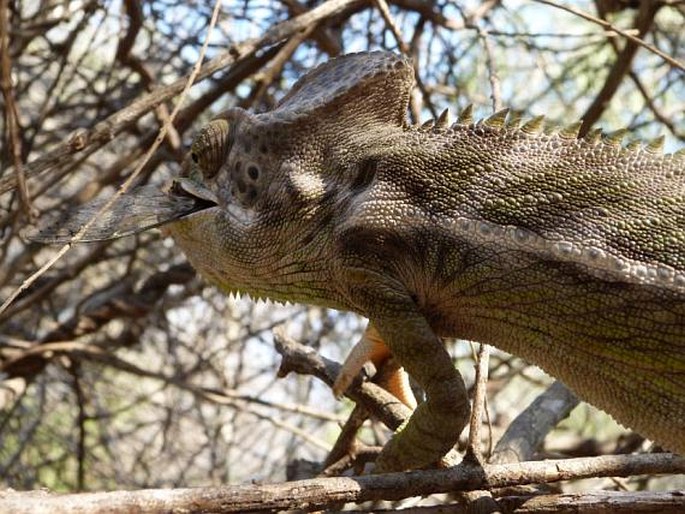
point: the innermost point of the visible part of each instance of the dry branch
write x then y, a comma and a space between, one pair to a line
528, 431
306, 361
599, 502
319, 493
622, 65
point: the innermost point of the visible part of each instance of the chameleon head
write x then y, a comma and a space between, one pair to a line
258, 195
278, 180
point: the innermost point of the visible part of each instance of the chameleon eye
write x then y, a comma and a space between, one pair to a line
210, 147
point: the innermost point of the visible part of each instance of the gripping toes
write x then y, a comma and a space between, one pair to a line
371, 348
430, 433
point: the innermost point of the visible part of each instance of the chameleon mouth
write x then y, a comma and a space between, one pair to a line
202, 197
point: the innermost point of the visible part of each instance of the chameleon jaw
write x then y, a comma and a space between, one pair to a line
203, 197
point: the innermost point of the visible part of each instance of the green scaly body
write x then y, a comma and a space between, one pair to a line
569, 253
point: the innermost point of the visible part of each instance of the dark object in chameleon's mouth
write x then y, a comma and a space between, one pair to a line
185, 188
133, 212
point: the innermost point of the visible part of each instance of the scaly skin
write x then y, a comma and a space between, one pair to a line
569, 253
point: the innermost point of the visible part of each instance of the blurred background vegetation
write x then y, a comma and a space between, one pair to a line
120, 367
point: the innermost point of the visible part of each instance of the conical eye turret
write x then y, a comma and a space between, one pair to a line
210, 147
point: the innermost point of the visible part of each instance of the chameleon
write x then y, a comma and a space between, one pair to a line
568, 252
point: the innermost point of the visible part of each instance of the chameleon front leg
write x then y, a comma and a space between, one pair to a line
434, 427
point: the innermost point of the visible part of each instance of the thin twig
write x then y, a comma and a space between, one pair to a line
621, 66
266, 78
483, 499
404, 48
493, 77
481, 381
80, 427
609, 26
